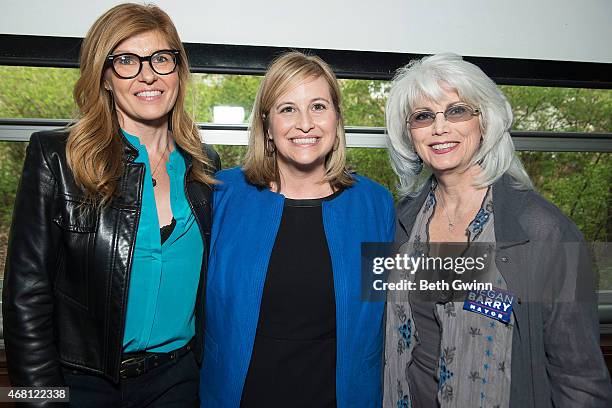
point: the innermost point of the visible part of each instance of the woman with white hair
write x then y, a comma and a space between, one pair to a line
449, 143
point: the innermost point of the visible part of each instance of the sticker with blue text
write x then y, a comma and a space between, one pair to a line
494, 303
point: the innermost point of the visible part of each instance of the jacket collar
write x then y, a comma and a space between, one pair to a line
509, 202
506, 207
129, 150
409, 207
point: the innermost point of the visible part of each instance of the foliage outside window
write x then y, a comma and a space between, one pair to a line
579, 183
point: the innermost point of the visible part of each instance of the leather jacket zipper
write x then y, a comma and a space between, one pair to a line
128, 274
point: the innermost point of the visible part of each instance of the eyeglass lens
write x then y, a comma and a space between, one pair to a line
129, 65
455, 113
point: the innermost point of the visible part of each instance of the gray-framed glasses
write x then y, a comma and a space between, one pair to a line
459, 112
128, 65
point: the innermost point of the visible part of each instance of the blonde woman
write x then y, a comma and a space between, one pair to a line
285, 325
103, 284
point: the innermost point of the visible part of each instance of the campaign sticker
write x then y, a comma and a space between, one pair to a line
494, 303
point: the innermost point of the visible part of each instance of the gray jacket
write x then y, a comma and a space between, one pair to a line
556, 359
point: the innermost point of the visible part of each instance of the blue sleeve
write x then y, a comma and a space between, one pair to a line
390, 219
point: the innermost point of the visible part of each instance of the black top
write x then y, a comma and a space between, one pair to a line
422, 372
166, 230
294, 355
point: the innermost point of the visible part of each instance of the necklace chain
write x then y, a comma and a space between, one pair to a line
451, 223
157, 165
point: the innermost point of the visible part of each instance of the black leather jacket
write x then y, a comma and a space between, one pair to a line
68, 267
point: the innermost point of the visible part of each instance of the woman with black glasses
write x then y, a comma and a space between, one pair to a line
104, 278
529, 338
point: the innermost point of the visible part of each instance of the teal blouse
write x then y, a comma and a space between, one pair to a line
164, 278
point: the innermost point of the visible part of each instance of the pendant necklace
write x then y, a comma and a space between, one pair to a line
157, 165
451, 223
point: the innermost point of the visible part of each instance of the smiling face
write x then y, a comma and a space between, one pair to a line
302, 124
446, 146
149, 97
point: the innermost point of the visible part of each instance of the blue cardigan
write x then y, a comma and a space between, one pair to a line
245, 224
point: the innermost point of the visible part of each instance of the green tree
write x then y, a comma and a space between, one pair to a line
579, 183
363, 102
210, 90
27, 92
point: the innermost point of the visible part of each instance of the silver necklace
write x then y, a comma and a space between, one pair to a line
157, 165
451, 223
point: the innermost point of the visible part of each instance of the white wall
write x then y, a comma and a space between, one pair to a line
572, 30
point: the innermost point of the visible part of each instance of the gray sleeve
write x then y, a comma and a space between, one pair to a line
575, 365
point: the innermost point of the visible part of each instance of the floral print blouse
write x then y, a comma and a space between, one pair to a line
475, 350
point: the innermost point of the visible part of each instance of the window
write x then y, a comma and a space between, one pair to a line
577, 182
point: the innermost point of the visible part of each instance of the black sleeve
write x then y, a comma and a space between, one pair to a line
213, 157
27, 297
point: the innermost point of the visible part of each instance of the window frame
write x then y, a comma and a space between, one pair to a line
62, 52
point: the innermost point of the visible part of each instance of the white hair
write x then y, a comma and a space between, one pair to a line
428, 78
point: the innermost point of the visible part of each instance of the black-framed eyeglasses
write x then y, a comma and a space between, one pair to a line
128, 65
459, 112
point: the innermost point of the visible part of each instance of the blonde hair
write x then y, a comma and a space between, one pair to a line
94, 146
285, 73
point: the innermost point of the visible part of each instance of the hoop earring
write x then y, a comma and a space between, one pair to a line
269, 147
